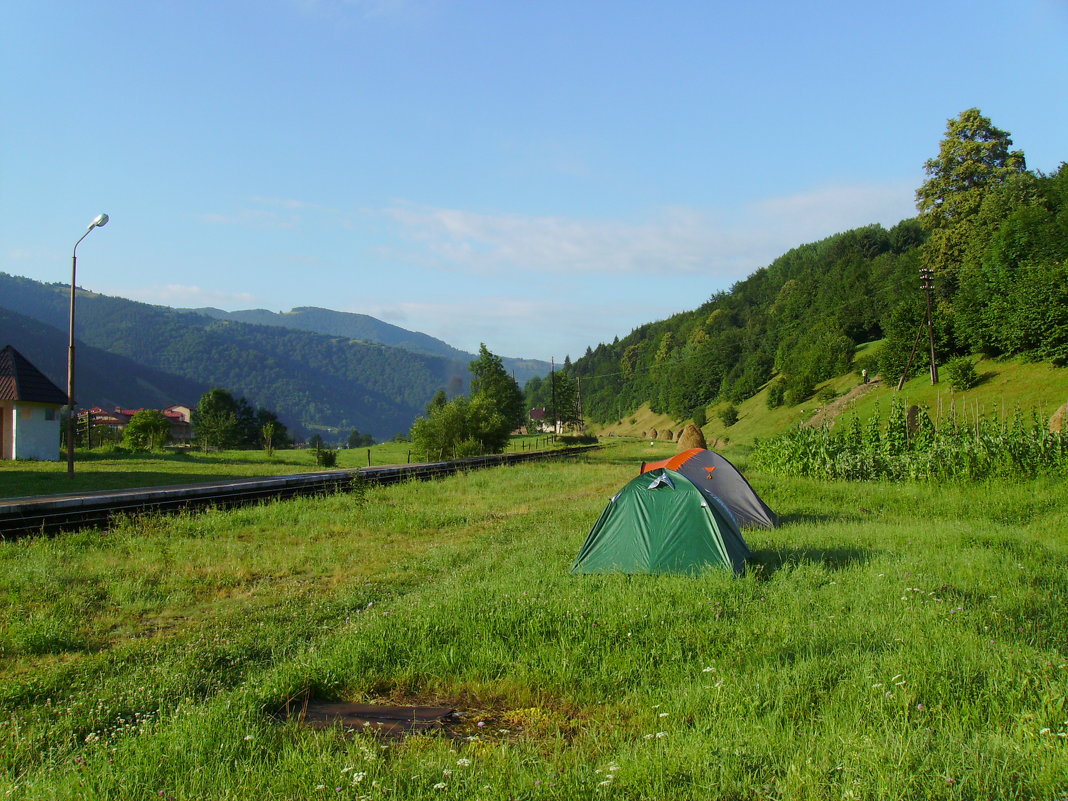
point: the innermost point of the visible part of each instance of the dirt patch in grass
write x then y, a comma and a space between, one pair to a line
827, 415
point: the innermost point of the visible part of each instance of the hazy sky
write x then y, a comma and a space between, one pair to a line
539, 176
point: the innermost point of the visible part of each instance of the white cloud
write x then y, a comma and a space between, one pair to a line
183, 295
673, 241
520, 327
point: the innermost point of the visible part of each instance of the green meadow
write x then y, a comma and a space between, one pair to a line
889, 641
106, 469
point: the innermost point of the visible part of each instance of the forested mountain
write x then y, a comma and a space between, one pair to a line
370, 329
103, 379
994, 235
308, 379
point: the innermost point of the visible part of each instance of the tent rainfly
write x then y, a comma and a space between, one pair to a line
711, 471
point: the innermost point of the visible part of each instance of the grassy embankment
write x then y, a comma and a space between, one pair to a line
104, 470
1004, 385
890, 641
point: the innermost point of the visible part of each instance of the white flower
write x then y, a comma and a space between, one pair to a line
440, 786
606, 782
248, 736
663, 715
708, 670
359, 777
463, 762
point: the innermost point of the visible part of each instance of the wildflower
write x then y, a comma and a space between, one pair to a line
660, 734
662, 715
359, 777
248, 736
463, 762
708, 670
606, 782
440, 786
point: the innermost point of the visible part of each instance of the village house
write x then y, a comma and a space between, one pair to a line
29, 410
179, 415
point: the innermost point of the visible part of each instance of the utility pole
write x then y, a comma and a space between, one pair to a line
552, 390
926, 276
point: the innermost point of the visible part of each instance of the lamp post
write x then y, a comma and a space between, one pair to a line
99, 222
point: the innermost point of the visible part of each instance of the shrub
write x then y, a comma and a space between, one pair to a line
577, 439
700, 417
776, 393
826, 394
961, 373
325, 457
798, 389
728, 415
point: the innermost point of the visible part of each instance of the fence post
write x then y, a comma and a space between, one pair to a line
368, 457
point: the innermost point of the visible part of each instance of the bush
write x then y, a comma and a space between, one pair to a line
325, 457
776, 393
728, 415
577, 439
700, 417
961, 373
799, 389
826, 394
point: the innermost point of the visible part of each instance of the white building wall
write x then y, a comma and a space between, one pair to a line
35, 436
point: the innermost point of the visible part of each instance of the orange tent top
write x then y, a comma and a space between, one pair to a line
675, 462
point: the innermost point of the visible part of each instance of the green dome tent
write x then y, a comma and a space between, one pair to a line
662, 522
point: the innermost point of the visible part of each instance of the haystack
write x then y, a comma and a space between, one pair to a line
667, 434
691, 437
1056, 423
652, 433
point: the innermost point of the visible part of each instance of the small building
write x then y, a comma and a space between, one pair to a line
29, 410
181, 419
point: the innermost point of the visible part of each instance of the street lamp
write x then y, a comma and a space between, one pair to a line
98, 222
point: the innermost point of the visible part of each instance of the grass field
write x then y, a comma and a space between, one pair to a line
104, 470
889, 641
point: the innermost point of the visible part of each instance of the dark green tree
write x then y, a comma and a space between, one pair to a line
491, 381
215, 423
148, 429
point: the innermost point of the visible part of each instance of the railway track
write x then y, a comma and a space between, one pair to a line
20, 517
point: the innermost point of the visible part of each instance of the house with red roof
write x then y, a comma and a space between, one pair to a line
29, 410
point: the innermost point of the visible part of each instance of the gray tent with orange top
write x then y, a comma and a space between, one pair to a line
713, 473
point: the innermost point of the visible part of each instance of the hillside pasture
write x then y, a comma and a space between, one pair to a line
889, 641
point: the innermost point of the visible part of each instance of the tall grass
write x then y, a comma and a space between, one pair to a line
889, 641
910, 446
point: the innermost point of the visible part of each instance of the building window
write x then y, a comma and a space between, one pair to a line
50, 414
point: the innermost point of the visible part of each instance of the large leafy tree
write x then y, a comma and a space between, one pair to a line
491, 381
148, 429
215, 421
973, 157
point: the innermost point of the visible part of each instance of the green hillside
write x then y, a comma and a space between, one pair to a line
369, 329
309, 379
993, 238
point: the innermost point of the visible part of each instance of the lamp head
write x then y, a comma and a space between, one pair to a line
100, 221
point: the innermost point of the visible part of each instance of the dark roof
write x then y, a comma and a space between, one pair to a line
21, 381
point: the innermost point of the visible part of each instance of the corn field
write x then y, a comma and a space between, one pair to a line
965, 445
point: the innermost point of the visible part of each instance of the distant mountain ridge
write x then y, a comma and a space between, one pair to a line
365, 328
156, 356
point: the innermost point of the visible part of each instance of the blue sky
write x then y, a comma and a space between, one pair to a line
538, 176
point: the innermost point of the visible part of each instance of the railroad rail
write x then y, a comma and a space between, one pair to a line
45, 514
